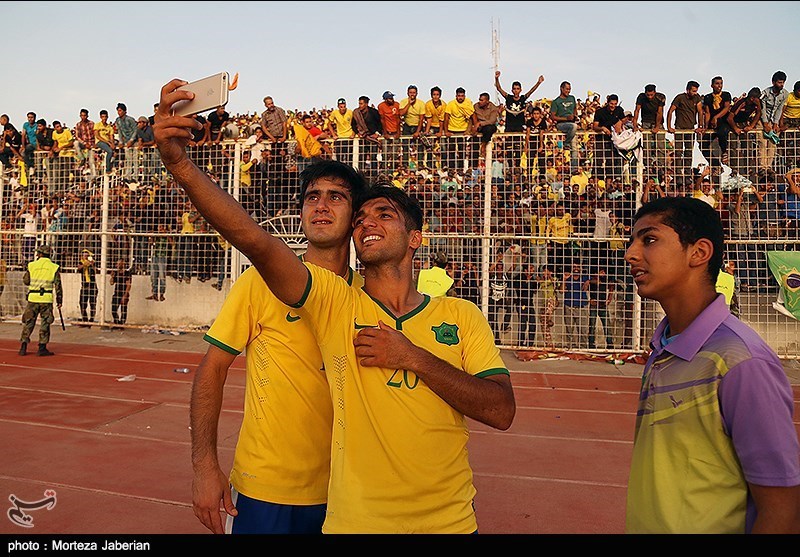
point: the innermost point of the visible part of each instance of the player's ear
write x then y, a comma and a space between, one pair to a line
701, 252
415, 240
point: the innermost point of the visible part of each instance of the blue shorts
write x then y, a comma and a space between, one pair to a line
262, 517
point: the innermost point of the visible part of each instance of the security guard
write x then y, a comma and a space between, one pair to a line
435, 281
42, 279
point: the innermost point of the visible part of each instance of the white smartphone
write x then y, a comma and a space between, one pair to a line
209, 93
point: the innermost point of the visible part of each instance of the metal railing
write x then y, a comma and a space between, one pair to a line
496, 210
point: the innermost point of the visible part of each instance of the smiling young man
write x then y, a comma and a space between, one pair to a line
417, 367
404, 370
715, 449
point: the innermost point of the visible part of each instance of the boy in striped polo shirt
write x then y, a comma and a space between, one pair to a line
715, 449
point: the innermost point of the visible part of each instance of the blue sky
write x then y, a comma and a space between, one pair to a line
64, 56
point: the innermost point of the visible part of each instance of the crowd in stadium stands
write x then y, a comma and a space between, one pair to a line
562, 189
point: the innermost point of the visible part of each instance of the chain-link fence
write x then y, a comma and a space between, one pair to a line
534, 228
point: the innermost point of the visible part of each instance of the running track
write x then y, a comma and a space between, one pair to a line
117, 453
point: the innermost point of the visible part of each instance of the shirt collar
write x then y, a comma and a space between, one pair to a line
692, 339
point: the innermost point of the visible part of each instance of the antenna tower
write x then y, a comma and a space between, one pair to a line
495, 58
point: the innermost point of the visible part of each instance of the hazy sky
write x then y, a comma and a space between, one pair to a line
64, 56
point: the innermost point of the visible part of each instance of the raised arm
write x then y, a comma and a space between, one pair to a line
497, 84
280, 268
535, 86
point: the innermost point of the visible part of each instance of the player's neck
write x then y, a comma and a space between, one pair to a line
336, 259
393, 286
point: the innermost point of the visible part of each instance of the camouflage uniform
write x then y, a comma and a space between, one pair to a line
40, 300
29, 316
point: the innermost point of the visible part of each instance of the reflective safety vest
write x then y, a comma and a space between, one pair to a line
42, 272
434, 282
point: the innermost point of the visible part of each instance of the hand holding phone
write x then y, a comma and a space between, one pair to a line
209, 93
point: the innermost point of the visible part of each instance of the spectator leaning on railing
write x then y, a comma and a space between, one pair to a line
515, 176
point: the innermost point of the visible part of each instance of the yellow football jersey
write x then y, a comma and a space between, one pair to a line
283, 451
399, 460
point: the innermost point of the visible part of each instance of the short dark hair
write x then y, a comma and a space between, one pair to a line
692, 83
364, 98
407, 205
335, 170
778, 76
34, 114
84, 111
517, 83
104, 111
649, 88
460, 90
612, 97
437, 89
692, 219
482, 95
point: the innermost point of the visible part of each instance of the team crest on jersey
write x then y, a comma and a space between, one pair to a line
446, 334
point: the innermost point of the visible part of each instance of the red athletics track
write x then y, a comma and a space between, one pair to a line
117, 453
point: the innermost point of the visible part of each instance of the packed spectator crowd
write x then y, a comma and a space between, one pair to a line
562, 185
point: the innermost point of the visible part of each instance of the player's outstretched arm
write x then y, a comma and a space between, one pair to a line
281, 269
